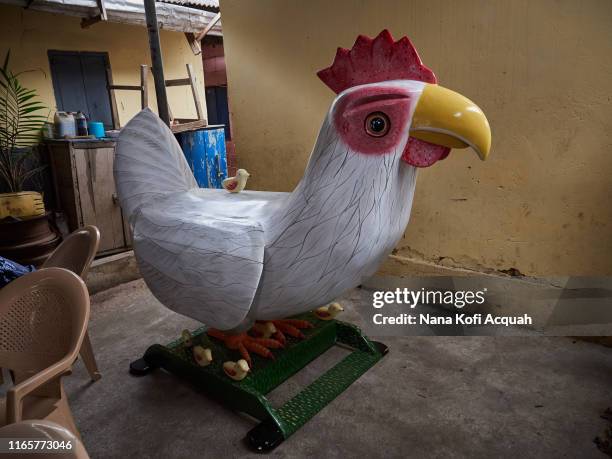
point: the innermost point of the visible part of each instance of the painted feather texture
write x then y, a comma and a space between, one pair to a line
200, 251
334, 230
229, 259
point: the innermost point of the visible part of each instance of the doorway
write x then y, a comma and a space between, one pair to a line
217, 108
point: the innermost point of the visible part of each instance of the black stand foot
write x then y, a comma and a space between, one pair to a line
264, 437
140, 367
380, 347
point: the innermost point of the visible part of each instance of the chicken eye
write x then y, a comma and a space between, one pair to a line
377, 124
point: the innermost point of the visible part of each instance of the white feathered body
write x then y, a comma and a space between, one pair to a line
230, 259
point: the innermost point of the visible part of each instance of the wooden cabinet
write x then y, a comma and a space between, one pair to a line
85, 189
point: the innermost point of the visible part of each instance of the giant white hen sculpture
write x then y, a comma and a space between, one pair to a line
229, 260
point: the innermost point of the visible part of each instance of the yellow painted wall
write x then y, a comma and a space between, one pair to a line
540, 70
29, 34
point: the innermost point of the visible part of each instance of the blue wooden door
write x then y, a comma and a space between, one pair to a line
80, 84
205, 153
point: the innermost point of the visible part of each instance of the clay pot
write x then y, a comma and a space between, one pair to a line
29, 241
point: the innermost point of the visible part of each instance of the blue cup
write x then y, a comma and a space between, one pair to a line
96, 128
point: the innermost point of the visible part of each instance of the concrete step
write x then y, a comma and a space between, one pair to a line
107, 272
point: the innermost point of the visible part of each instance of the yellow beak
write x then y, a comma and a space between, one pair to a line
444, 117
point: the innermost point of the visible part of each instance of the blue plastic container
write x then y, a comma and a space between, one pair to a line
96, 128
206, 155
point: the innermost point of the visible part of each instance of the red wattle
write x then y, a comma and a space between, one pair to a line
419, 153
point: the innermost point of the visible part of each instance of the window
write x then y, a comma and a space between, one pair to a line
80, 83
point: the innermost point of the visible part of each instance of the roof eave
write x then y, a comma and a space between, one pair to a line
171, 16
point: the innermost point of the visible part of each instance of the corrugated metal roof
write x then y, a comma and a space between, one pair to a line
197, 3
174, 16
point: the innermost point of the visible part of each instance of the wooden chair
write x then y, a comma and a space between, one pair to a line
43, 319
47, 430
76, 253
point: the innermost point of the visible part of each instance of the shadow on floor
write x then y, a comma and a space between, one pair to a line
431, 396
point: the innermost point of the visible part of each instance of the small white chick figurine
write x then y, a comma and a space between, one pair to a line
236, 184
203, 357
263, 329
236, 370
329, 312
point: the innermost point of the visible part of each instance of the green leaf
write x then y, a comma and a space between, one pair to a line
6, 60
21, 123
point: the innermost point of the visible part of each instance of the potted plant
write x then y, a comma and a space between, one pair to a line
27, 235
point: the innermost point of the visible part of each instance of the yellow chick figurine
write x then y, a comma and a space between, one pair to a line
263, 329
329, 312
236, 370
203, 357
187, 338
236, 184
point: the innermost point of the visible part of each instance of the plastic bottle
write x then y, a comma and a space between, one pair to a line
81, 123
64, 125
48, 130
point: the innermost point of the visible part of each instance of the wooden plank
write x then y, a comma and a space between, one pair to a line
54, 177
178, 82
102, 8
198, 122
105, 191
208, 27
87, 22
83, 187
127, 231
113, 100
96, 188
125, 87
194, 91
78, 210
144, 82
193, 43
61, 164
157, 61
82, 143
188, 126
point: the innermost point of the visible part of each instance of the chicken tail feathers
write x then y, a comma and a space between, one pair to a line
149, 163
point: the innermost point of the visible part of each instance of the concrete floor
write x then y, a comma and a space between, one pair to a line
429, 397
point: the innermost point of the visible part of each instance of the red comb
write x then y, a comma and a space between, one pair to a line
373, 60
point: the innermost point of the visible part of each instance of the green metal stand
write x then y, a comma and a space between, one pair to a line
249, 395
